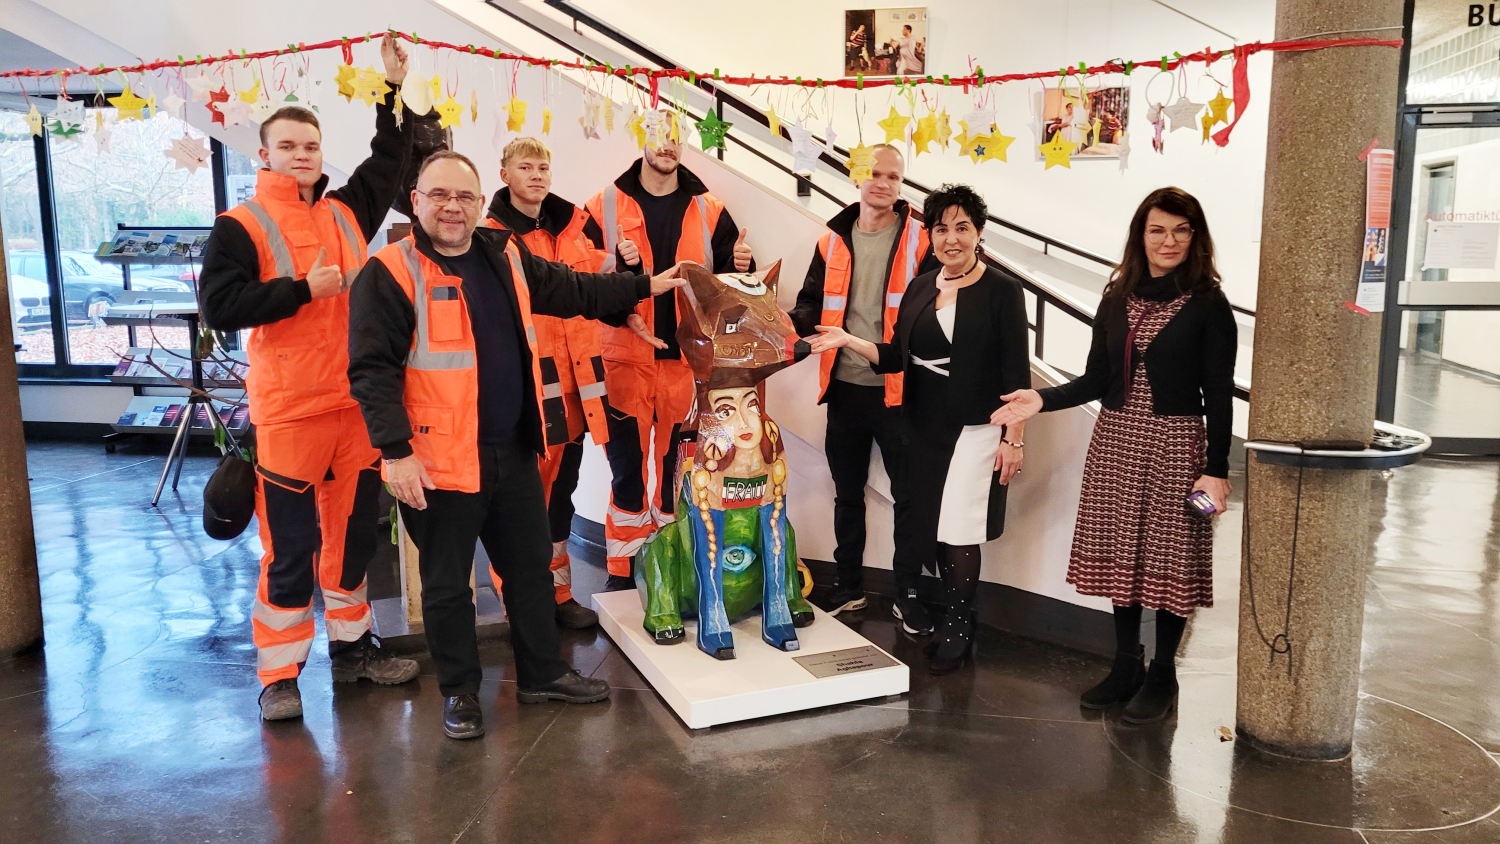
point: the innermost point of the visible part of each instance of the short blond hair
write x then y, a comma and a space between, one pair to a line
524, 148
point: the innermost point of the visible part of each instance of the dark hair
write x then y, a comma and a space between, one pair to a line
954, 196
447, 155
1198, 271
297, 114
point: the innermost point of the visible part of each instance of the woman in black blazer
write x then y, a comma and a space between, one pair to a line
1162, 362
960, 342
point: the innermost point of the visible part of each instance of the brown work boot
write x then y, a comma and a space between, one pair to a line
280, 701
366, 659
575, 616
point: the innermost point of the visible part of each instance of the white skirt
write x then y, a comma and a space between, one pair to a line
964, 517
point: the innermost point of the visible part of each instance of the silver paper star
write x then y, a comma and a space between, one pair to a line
805, 151
203, 84
1182, 112
189, 154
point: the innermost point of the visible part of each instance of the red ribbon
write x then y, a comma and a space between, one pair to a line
1241, 93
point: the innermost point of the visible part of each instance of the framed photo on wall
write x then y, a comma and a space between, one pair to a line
885, 42
1095, 121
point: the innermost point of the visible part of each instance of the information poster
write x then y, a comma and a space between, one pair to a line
1380, 167
1461, 246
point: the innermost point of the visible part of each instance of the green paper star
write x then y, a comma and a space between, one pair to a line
711, 131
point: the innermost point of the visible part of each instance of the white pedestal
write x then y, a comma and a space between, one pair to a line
760, 681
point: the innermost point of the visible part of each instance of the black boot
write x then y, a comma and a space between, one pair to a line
952, 644
462, 718
1158, 696
1124, 680
571, 687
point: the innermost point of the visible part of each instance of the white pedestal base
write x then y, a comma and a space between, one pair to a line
760, 681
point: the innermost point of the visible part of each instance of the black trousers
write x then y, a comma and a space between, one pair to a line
509, 515
858, 417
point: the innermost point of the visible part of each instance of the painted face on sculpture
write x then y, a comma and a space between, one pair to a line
737, 411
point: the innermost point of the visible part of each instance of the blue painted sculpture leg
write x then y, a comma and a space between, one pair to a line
714, 635
775, 616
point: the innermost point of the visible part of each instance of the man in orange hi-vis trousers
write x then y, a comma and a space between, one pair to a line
574, 397
655, 214
282, 264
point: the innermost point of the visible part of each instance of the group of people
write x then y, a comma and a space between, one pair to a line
463, 364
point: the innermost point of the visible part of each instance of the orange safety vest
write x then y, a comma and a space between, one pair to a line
910, 247
442, 377
613, 208
299, 366
574, 341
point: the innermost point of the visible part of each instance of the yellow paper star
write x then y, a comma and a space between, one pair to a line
925, 133
345, 79
129, 105
473, 105
1058, 151
944, 130
972, 143
436, 84
773, 120
609, 117
399, 108
894, 126
1219, 107
546, 121
450, 113
673, 130
995, 145
1208, 123
370, 86
637, 130
861, 164
516, 109
1094, 131
34, 120
151, 103
251, 95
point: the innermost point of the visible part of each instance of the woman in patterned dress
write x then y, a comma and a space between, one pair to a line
1162, 361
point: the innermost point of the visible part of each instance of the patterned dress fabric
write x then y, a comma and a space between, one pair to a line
1136, 541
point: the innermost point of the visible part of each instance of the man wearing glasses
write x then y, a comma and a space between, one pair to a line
444, 361
282, 263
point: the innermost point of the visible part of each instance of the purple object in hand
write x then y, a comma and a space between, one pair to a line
1201, 503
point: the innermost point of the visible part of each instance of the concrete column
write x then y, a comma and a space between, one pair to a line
1314, 380
20, 591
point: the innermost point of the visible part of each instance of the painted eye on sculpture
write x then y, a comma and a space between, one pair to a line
744, 281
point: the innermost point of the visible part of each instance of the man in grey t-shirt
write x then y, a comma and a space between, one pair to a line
863, 264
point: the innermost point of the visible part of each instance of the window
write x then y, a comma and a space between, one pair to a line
93, 191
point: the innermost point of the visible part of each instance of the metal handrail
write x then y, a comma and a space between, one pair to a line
1044, 296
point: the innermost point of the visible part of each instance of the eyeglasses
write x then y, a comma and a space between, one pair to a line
442, 197
1181, 234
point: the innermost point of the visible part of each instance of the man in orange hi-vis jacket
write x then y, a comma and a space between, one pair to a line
655, 214
573, 393
282, 264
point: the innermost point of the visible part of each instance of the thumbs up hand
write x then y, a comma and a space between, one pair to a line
742, 255
630, 254
324, 279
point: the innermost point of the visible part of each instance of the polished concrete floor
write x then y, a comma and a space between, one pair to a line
138, 721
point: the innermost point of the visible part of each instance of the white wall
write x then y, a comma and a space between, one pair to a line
1090, 204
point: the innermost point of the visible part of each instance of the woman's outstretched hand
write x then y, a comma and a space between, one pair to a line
829, 337
1020, 406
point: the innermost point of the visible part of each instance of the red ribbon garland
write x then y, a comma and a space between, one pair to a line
1241, 93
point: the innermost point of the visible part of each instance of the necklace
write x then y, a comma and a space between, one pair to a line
971, 268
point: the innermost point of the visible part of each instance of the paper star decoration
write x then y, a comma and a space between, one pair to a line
215, 100
417, 95
609, 115
369, 85
894, 126
151, 103
202, 85
252, 94
103, 131
944, 130
978, 120
435, 84
129, 105
473, 105
657, 131
830, 137
925, 133
1058, 151
546, 121
773, 122
590, 119
515, 111
235, 112
188, 153
634, 128
398, 109
67, 118
173, 105
34, 120
261, 110
804, 151
1219, 107
711, 131
345, 78
861, 164
996, 145
1208, 123
674, 129
450, 113
1182, 112
1122, 149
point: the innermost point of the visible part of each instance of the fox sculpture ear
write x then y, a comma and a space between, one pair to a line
770, 277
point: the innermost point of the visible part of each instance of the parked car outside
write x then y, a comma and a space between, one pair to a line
30, 304
88, 282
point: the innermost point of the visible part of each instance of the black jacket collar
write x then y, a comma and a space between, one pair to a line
687, 183
492, 241
842, 223
556, 214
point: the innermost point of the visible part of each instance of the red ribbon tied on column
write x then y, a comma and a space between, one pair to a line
1241, 91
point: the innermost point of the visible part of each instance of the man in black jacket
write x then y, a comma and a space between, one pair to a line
444, 363
281, 263
857, 277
